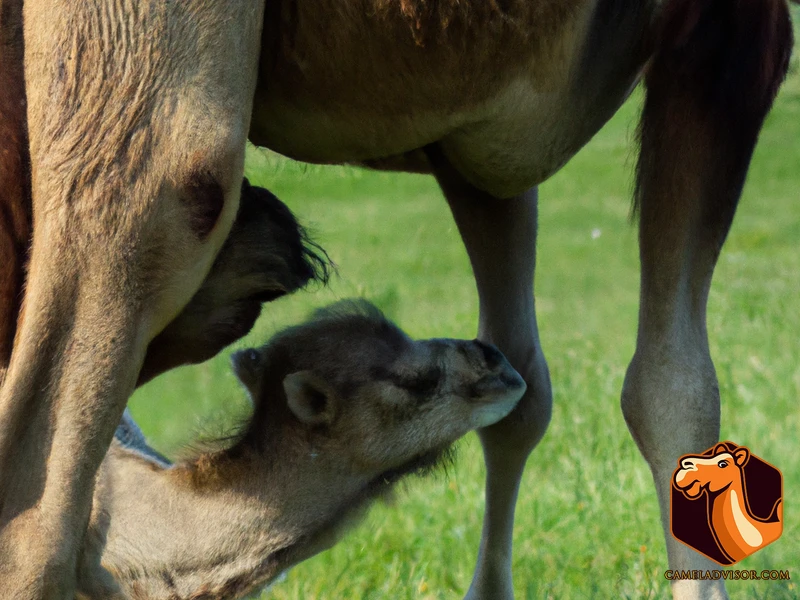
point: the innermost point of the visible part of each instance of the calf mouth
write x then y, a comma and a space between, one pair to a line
421, 465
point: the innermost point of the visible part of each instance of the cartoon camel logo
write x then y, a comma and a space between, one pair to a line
721, 476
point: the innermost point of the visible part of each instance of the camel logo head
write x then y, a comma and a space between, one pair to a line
698, 474
726, 502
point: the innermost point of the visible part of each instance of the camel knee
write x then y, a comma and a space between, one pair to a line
522, 430
537, 406
671, 405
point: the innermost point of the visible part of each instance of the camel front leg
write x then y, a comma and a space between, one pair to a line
500, 238
708, 90
138, 113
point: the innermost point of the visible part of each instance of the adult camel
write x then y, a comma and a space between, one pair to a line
137, 115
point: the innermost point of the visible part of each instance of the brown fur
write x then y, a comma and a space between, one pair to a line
431, 21
440, 36
716, 73
514, 23
15, 203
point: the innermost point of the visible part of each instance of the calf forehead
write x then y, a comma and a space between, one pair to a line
446, 356
343, 349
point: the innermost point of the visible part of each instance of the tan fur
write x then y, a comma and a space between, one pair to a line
114, 255
222, 524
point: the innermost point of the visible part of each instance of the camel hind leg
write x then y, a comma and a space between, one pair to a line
709, 87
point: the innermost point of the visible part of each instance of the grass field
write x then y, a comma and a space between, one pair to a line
587, 521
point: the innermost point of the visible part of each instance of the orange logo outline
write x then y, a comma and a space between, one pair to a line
743, 503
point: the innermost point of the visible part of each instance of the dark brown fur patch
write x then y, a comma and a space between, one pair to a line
431, 18
15, 198
204, 199
717, 68
735, 53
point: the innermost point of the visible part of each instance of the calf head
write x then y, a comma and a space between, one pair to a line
266, 255
351, 385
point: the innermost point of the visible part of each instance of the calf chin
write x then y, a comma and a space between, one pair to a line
267, 255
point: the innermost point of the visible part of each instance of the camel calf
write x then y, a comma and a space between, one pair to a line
344, 406
267, 255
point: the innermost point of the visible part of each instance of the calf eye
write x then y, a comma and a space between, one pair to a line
722, 464
423, 385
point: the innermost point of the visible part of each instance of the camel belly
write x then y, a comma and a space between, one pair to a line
506, 117
514, 150
318, 135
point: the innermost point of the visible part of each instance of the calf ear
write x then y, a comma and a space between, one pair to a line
309, 398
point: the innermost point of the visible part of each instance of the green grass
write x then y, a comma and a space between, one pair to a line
587, 521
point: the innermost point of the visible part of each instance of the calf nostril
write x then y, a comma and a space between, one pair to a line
687, 464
